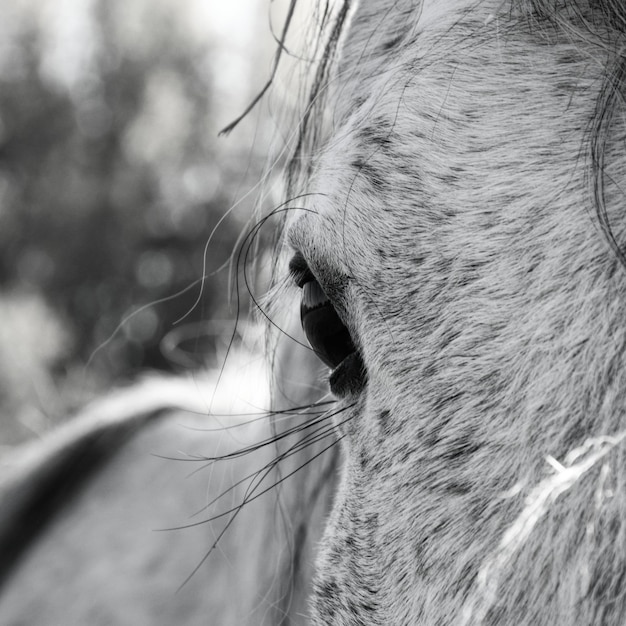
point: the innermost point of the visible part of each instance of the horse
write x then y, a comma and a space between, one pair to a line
457, 236
452, 231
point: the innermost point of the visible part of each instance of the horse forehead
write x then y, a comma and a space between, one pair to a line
380, 32
447, 100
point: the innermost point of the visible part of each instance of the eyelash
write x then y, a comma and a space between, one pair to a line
299, 270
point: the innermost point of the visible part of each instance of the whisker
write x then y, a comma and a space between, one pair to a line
240, 507
311, 438
250, 499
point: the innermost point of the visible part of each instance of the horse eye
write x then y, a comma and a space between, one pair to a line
326, 333
299, 270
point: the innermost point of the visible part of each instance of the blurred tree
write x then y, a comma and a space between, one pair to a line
112, 178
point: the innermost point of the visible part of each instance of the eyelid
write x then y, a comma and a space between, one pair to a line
299, 270
332, 283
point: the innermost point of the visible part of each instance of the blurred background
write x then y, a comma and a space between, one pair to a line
112, 178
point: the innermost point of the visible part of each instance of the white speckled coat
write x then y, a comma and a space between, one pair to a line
464, 212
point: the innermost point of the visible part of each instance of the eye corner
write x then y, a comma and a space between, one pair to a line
299, 270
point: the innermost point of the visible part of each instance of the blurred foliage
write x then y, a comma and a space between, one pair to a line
111, 180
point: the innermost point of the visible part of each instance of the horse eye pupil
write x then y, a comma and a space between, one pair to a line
326, 333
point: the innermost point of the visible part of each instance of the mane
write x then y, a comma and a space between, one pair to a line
602, 23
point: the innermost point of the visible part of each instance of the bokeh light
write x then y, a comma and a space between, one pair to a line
112, 177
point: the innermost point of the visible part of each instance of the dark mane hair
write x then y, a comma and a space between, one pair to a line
601, 23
